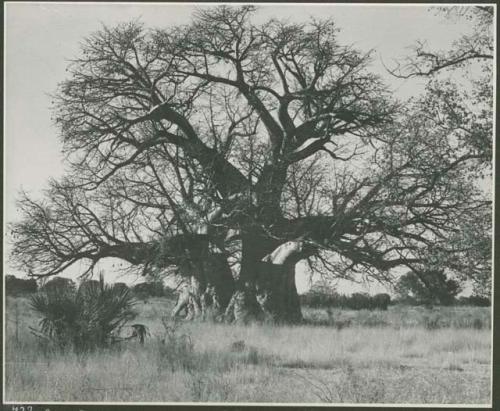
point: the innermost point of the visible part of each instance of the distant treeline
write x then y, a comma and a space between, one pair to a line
356, 301
360, 301
475, 300
316, 299
18, 286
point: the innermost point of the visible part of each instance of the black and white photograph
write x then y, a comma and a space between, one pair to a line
248, 204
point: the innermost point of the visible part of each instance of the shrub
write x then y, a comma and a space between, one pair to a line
88, 284
477, 323
475, 300
121, 286
359, 301
432, 322
85, 319
149, 289
472, 321
372, 320
59, 285
169, 292
381, 301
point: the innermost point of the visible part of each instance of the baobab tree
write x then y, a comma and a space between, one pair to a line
231, 151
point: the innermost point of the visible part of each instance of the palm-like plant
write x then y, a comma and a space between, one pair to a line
87, 318
59, 314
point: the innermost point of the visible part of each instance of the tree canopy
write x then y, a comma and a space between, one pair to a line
436, 289
226, 139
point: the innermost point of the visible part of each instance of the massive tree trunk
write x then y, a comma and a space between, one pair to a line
211, 282
277, 293
266, 287
264, 290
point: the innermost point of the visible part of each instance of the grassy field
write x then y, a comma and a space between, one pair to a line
406, 355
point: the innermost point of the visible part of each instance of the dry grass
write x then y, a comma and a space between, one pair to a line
405, 317
394, 361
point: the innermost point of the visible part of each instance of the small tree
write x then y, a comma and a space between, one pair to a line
427, 287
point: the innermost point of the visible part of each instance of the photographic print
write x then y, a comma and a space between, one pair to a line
254, 204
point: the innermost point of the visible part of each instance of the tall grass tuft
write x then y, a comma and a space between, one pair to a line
174, 350
350, 386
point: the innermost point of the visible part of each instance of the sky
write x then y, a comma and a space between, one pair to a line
40, 39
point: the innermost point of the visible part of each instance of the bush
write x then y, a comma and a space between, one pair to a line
381, 301
358, 301
59, 285
477, 323
169, 293
85, 319
475, 300
88, 284
432, 322
121, 286
19, 286
149, 289
370, 319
